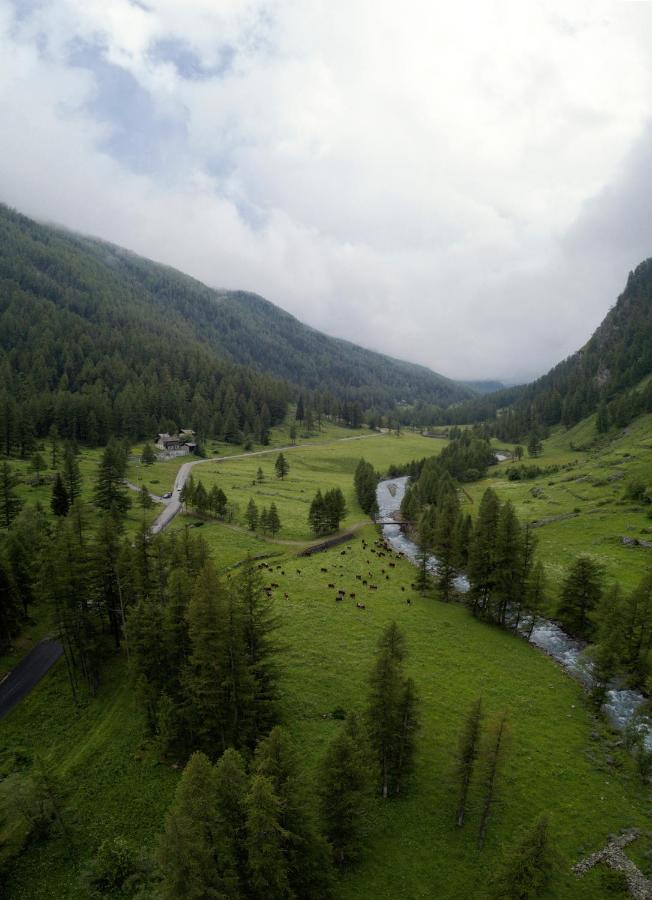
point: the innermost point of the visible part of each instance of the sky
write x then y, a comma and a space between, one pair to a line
462, 185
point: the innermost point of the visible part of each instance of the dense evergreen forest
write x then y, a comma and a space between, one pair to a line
98, 341
600, 376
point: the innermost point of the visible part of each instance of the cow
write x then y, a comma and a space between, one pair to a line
331, 585
361, 606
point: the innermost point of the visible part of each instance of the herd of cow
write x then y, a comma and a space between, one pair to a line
379, 548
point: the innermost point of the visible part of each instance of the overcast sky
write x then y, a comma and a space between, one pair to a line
465, 185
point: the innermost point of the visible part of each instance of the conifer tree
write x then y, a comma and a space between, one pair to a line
300, 413
232, 786
536, 599
200, 498
71, 474
259, 475
508, 569
444, 542
259, 624
527, 866
580, 594
263, 520
110, 493
273, 520
148, 457
344, 788
482, 553
266, 842
391, 713
469, 747
10, 502
281, 466
251, 514
307, 853
190, 851
59, 502
206, 673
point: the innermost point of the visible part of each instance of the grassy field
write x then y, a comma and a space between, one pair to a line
591, 490
560, 758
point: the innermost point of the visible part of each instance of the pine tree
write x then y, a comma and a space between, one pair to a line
232, 786
251, 515
259, 475
527, 866
273, 520
482, 553
10, 503
144, 498
259, 624
445, 546
580, 594
190, 848
365, 481
59, 502
281, 466
148, 457
263, 520
266, 841
110, 493
200, 498
391, 712
508, 575
536, 599
469, 747
307, 853
300, 413
207, 665
71, 474
344, 788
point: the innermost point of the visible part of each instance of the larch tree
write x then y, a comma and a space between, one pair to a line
344, 790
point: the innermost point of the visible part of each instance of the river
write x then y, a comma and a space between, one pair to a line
620, 706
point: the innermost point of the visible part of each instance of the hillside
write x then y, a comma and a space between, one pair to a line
98, 340
603, 372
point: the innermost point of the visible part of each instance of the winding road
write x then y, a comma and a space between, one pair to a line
28, 673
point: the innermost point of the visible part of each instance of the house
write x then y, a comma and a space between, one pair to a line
179, 444
168, 442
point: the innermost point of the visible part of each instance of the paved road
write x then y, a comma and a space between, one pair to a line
28, 673
174, 506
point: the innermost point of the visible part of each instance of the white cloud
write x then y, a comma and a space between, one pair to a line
417, 179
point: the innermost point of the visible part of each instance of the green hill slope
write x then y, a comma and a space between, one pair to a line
98, 340
603, 371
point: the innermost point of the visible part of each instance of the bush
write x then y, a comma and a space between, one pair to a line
116, 869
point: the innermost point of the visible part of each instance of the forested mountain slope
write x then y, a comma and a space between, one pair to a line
602, 374
98, 340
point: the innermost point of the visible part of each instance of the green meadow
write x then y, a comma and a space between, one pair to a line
589, 490
560, 758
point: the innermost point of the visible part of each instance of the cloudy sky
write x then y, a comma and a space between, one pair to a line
464, 185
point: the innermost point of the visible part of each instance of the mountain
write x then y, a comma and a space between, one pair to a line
85, 324
603, 374
484, 387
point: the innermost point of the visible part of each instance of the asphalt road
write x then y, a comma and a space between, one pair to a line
28, 673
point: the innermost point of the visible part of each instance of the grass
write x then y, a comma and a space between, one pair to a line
412, 849
592, 489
